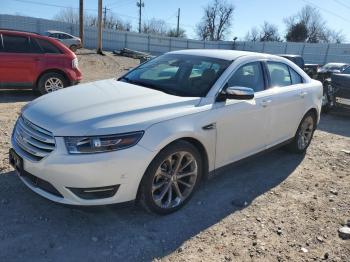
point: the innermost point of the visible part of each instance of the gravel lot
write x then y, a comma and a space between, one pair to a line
277, 207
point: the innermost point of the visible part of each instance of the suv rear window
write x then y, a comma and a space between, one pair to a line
48, 47
15, 44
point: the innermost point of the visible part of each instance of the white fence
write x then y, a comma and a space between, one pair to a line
115, 40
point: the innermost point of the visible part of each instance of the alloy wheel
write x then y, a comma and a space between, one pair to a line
305, 133
53, 84
174, 180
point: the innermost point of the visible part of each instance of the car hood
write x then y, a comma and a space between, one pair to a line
105, 107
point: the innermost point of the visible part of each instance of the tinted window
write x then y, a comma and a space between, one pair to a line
181, 75
249, 75
16, 44
64, 36
296, 78
346, 71
279, 74
34, 47
47, 47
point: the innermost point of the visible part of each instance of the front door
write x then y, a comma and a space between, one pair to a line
242, 125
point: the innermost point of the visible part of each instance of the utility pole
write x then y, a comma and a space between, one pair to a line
99, 29
178, 23
105, 9
81, 21
140, 4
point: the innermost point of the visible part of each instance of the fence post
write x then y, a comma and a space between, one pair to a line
126, 40
302, 50
263, 49
204, 44
188, 44
244, 46
169, 44
286, 48
149, 43
326, 54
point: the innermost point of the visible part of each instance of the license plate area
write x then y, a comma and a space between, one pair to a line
16, 161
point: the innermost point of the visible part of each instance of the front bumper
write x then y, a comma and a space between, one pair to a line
66, 172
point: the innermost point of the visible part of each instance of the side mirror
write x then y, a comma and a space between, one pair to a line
237, 93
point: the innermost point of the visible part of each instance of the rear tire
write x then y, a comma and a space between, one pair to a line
171, 179
73, 48
304, 134
51, 82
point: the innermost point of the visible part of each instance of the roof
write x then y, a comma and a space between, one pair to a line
14, 31
218, 53
288, 55
58, 32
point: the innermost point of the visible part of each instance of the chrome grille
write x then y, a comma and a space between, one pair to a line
34, 141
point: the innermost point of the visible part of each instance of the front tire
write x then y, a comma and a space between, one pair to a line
51, 82
171, 179
304, 134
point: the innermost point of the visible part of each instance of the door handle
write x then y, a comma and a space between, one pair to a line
302, 94
265, 103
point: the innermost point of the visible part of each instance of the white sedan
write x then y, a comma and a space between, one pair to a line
156, 132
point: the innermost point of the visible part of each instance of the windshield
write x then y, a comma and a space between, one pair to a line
339, 67
181, 75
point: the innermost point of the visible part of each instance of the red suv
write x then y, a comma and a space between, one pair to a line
29, 60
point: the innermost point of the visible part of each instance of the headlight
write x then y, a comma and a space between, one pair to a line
75, 63
100, 144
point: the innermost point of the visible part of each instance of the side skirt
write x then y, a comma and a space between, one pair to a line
222, 169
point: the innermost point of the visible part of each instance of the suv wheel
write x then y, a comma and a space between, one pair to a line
171, 178
51, 82
304, 135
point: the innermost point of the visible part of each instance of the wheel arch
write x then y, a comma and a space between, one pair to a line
193, 141
53, 70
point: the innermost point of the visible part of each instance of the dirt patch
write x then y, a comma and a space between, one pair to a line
277, 207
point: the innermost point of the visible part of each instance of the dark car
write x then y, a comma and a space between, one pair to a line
325, 72
337, 90
310, 69
296, 59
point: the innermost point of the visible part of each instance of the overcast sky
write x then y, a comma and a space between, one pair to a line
248, 13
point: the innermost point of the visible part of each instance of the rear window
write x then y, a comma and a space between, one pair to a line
47, 47
15, 44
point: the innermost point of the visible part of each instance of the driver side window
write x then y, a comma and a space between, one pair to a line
249, 75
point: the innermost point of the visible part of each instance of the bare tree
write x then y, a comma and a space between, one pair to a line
252, 35
155, 27
216, 20
69, 15
315, 25
173, 33
269, 33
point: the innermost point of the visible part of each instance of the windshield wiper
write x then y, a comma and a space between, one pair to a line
147, 85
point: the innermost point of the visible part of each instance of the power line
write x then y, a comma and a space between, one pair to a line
52, 5
326, 10
341, 3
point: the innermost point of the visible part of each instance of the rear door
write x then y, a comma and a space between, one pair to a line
288, 103
19, 61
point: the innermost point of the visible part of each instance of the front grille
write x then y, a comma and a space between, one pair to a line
34, 141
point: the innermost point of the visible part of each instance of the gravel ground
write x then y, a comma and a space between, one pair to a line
276, 207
